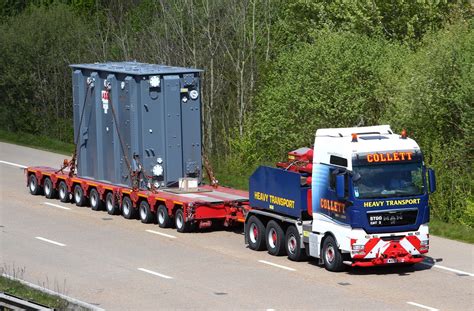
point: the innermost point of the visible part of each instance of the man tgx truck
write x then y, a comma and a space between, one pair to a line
359, 198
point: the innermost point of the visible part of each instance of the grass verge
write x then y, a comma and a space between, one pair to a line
452, 231
24, 292
229, 173
39, 142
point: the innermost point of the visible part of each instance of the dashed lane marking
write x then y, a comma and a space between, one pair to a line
162, 234
56, 205
13, 164
421, 306
276, 265
447, 269
50, 241
155, 273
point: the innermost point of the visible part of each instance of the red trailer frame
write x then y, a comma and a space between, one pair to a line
209, 205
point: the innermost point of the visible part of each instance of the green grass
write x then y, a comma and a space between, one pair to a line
452, 231
17, 289
229, 173
39, 142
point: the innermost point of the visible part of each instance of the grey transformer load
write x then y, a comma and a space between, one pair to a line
137, 124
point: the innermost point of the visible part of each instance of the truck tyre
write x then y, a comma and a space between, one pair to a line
33, 185
162, 217
275, 238
332, 257
49, 190
255, 233
94, 197
293, 244
146, 216
181, 224
127, 208
110, 205
63, 192
79, 197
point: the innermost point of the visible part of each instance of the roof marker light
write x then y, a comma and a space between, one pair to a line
354, 137
404, 134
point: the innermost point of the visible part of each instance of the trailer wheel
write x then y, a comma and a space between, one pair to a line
49, 190
96, 203
110, 205
146, 216
33, 185
292, 244
162, 217
181, 224
275, 239
79, 197
63, 193
332, 257
127, 208
255, 234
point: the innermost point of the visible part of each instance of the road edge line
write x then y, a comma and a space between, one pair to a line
448, 269
52, 292
276, 265
13, 164
419, 305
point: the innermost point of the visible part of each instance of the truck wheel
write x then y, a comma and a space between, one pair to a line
35, 188
79, 197
96, 203
49, 190
293, 244
63, 193
162, 217
275, 239
332, 257
110, 204
255, 233
127, 208
146, 216
181, 224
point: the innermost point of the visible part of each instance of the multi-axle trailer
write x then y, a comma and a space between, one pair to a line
185, 209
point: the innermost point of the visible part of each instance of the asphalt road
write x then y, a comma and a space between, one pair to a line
120, 264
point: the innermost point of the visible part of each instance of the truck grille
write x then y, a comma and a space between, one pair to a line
392, 217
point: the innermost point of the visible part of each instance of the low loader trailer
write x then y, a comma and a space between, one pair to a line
185, 208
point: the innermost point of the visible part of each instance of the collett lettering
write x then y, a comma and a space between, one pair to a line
389, 157
333, 206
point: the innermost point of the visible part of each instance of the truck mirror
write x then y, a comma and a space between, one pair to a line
340, 186
432, 180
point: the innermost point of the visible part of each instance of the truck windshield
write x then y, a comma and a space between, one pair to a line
388, 180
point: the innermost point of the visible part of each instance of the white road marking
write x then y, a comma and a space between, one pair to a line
163, 234
447, 269
275, 265
56, 205
155, 273
50, 241
421, 306
13, 164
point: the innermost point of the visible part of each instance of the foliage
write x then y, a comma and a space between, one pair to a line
334, 82
433, 97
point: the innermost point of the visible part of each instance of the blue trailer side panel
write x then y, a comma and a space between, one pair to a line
278, 190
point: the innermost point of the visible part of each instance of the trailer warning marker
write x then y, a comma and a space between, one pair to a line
276, 265
56, 205
162, 234
155, 273
50, 241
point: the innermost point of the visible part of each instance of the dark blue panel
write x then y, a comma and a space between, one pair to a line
278, 190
